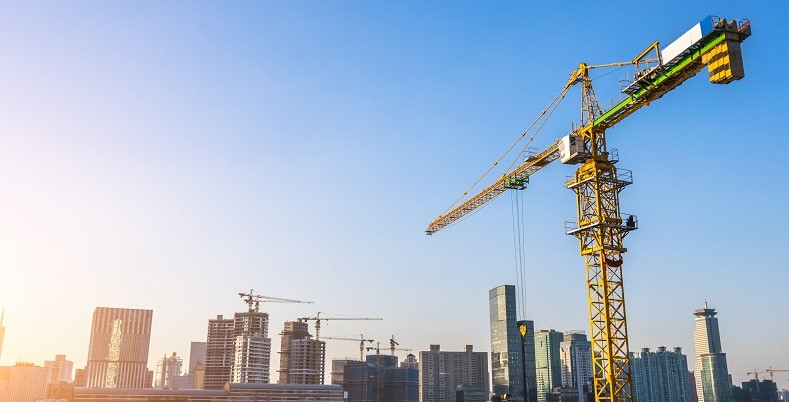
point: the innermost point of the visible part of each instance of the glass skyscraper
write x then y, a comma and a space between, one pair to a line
711, 371
547, 346
507, 366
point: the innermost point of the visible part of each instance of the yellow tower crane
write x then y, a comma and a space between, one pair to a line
600, 229
253, 300
317, 318
772, 372
361, 339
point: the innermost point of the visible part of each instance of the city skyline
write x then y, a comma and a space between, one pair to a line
154, 158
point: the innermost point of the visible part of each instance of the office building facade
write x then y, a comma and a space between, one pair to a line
379, 379
711, 369
547, 346
506, 365
23, 382
575, 354
442, 372
118, 351
60, 369
660, 376
168, 371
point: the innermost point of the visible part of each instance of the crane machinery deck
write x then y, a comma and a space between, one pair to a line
713, 42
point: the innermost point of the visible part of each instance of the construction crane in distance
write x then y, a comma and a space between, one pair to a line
318, 320
772, 372
393, 346
253, 300
714, 42
755, 373
361, 341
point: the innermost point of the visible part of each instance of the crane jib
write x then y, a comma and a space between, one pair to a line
652, 87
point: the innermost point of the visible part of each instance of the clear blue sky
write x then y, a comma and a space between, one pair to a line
169, 155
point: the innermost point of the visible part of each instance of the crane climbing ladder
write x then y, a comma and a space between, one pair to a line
600, 229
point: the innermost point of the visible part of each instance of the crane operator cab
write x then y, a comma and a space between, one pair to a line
572, 149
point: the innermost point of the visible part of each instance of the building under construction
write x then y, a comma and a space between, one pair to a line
302, 359
379, 379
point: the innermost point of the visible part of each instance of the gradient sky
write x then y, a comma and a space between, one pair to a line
170, 155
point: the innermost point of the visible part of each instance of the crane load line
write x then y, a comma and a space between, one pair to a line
556, 100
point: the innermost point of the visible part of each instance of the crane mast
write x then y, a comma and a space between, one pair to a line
600, 228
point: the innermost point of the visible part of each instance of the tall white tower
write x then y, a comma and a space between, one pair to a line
711, 370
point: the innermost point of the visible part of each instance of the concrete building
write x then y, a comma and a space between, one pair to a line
471, 394
229, 393
302, 359
197, 351
575, 354
411, 362
168, 369
81, 377
60, 369
252, 348
547, 346
506, 363
379, 379
761, 390
61, 391
118, 351
199, 376
442, 372
238, 350
563, 394
660, 376
711, 369
23, 382
220, 348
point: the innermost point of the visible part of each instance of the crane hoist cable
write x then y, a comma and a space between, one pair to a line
519, 242
555, 100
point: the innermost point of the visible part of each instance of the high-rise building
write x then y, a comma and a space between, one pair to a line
411, 362
575, 353
197, 352
660, 376
506, 365
379, 379
530, 360
219, 353
252, 348
711, 369
23, 382
238, 350
761, 390
441, 373
168, 369
118, 352
60, 369
547, 346
302, 359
